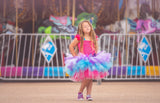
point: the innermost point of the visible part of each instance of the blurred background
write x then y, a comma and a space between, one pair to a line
107, 16
35, 37
128, 29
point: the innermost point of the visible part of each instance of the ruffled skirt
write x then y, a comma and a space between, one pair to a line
88, 67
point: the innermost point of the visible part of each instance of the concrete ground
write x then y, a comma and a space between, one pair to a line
66, 92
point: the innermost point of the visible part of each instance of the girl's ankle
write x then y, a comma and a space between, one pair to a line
79, 92
88, 95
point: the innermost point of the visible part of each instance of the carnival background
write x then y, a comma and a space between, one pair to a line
35, 35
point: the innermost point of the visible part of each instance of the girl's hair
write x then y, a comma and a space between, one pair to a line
92, 36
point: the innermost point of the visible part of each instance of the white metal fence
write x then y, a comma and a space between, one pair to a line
134, 56
21, 57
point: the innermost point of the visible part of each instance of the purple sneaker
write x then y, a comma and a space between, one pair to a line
80, 96
89, 98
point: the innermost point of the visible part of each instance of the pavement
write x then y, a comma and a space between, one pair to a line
66, 92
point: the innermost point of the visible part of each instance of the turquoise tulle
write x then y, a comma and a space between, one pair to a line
99, 63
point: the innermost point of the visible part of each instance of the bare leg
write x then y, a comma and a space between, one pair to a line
84, 83
89, 87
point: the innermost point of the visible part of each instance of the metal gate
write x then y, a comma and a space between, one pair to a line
135, 56
24, 56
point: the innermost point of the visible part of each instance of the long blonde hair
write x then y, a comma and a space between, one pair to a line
92, 36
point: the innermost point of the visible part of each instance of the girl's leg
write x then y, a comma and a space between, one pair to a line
89, 87
84, 83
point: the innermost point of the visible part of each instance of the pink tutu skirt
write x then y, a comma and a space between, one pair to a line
88, 67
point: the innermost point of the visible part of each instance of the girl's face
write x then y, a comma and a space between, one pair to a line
86, 27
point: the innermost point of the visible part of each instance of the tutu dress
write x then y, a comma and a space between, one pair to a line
87, 65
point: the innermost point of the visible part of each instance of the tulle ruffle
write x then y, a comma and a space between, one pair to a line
88, 66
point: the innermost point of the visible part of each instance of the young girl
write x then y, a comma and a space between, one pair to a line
87, 64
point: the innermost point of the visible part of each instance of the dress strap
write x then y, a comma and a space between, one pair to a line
77, 36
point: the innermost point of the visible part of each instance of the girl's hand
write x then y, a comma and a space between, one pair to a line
75, 55
73, 44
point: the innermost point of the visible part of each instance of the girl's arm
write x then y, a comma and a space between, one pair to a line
72, 45
97, 44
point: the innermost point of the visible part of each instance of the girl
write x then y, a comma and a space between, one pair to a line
87, 64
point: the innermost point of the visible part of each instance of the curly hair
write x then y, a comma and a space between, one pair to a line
92, 36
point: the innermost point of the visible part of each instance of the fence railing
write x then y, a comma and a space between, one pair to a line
23, 58
41, 56
135, 56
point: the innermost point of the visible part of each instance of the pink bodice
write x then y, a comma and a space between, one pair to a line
87, 49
